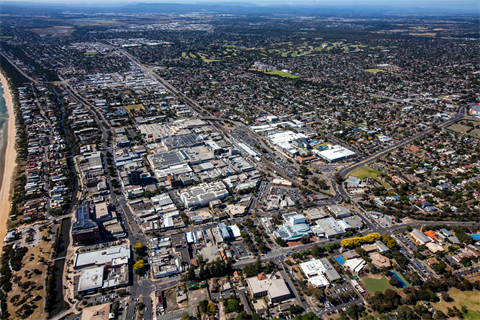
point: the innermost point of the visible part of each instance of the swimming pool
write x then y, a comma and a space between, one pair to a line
475, 236
340, 259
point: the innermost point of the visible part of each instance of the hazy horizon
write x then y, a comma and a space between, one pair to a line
397, 3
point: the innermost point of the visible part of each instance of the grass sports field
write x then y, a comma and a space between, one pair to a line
367, 172
374, 285
467, 298
375, 70
282, 74
136, 107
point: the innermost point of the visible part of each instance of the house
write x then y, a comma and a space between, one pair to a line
471, 249
236, 276
213, 285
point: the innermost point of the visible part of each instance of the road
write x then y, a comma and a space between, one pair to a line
18, 69
459, 115
143, 287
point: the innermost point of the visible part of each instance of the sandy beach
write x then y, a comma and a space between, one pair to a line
10, 161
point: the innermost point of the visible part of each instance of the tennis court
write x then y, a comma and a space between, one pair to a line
340, 259
396, 275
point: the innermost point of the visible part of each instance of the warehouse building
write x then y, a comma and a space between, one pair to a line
331, 227
420, 237
334, 153
339, 212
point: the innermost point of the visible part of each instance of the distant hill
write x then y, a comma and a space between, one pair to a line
242, 8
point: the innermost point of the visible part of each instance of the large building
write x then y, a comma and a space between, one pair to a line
109, 257
155, 131
177, 161
100, 312
201, 195
84, 229
227, 233
339, 212
134, 177
331, 227
163, 160
181, 141
335, 153
475, 111
320, 272
273, 287
91, 279
294, 227
420, 237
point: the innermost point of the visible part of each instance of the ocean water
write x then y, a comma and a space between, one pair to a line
3, 133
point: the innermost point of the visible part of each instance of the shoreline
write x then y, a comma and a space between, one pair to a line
10, 160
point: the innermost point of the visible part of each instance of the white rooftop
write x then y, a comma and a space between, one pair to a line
91, 279
335, 153
101, 257
315, 271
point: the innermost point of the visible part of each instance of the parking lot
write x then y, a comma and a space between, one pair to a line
195, 296
333, 291
408, 243
240, 250
293, 193
30, 237
287, 167
449, 260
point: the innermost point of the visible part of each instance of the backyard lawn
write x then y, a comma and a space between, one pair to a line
367, 172
374, 285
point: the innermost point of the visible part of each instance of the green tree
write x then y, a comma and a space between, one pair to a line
354, 311
185, 316
280, 242
232, 306
394, 281
203, 305
256, 316
211, 308
249, 270
191, 273
405, 312
258, 266
316, 251
140, 264
242, 315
